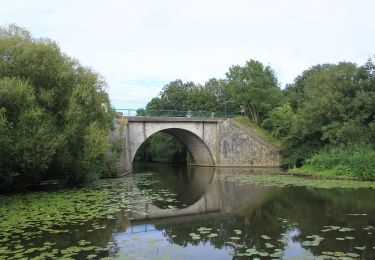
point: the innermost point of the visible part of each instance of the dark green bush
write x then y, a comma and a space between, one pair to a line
52, 121
356, 160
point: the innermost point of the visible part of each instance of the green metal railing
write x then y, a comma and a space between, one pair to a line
176, 113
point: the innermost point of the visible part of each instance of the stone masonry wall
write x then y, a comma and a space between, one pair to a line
240, 146
120, 138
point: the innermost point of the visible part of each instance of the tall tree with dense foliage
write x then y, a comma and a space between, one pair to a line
255, 86
173, 96
328, 105
52, 120
184, 96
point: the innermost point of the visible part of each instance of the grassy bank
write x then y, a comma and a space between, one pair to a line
344, 161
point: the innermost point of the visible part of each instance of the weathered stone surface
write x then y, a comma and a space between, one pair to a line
120, 137
211, 142
240, 146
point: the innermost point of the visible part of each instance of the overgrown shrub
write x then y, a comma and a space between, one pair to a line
355, 160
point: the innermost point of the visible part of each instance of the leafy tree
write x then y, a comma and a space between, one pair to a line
172, 97
184, 96
28, 138
255, 86
329, 104
51, 113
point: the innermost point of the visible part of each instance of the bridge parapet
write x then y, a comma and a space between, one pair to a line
172, 119
178, 113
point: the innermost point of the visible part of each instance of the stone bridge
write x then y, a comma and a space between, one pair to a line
211, 142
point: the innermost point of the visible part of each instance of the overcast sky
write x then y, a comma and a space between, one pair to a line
139, 46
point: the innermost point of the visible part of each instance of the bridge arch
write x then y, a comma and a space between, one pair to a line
200, 152
211, 142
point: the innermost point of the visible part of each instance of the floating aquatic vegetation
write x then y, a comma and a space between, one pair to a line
33, 214
99, 208
204, 230
195, 236
332, 228
368, 228
353, 255
345, 229
276, 254
314, 242
283, 180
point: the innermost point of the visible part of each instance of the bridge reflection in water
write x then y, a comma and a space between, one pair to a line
202, 191
204, 197
240, 217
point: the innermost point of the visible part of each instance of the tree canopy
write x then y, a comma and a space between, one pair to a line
327, 106
255, 86
52, 124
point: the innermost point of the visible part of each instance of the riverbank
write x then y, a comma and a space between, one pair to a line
341, 162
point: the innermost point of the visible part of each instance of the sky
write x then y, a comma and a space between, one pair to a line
139, 46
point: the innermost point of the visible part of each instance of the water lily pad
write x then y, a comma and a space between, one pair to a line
195, 236
352, 255
344, 229
276, 254
252, 251
339, 254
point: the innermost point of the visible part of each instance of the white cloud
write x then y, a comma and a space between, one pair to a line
132, 41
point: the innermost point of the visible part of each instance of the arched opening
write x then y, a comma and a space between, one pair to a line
174, 146
184, 142
163, 148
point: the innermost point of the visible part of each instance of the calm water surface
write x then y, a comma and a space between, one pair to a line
178, 212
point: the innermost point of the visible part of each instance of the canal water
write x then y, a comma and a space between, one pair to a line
178, 212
